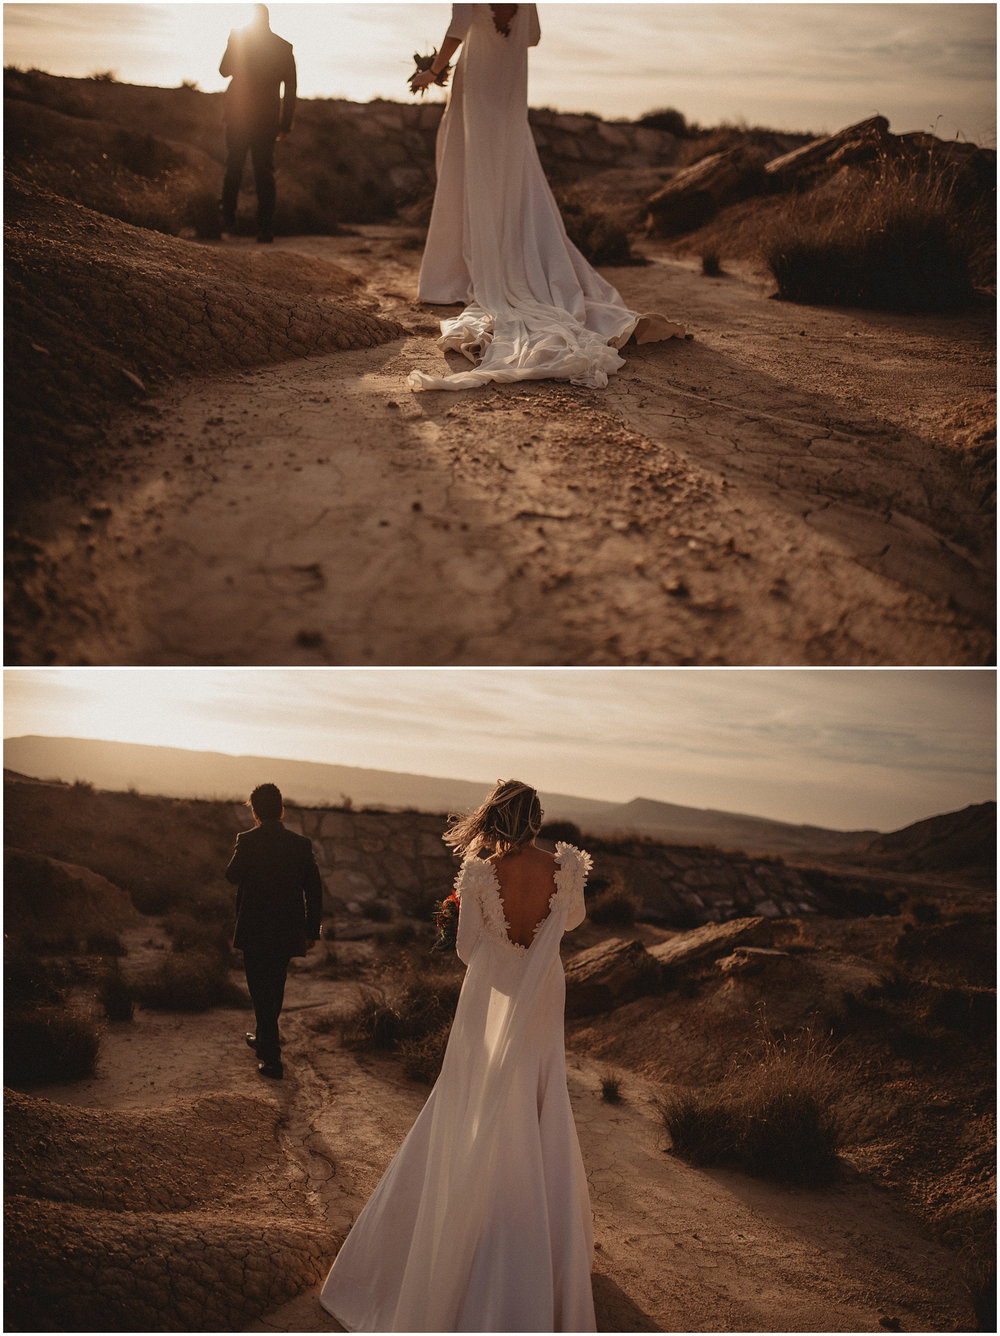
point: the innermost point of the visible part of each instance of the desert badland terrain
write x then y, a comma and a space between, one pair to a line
213, 457
169, 1187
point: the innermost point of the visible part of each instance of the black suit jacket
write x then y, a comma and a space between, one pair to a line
279, 893
259, 63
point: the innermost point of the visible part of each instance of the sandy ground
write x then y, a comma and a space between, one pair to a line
678, 1249
784, 489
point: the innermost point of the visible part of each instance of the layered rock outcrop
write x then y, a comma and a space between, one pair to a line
399, 860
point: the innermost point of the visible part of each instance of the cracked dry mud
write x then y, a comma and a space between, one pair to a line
792, 487
223, 1195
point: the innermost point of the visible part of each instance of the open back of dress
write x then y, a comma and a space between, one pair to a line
482, 1221
535, 307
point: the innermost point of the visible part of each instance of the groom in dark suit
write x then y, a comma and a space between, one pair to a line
278, 906
260, 64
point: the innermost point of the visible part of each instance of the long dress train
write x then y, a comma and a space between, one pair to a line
482, 1220
535, 307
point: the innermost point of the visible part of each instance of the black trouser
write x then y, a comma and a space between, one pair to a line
260, 145
266, 971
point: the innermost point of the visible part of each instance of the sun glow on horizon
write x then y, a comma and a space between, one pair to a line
797, 67
838, 748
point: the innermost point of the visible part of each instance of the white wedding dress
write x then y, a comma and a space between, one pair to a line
535, 309
482, 1221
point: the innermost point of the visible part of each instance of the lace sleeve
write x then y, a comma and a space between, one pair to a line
574, 868
470, 906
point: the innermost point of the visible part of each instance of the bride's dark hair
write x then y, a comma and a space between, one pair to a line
502, 15
510, 818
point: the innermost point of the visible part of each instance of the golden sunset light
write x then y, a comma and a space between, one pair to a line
838, 749
800, 67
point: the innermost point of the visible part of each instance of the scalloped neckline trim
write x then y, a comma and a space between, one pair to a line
499, 922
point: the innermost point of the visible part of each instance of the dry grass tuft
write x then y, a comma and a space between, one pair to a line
600, 237
770, 1117
410, 1015
899, 240
114, 994
195, 981
611, 1087
422, 1058
46, 1043
612, 905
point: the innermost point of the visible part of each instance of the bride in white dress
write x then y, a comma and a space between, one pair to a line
535, 309
482, 1221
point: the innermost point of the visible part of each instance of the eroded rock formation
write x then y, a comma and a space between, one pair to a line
179, 1218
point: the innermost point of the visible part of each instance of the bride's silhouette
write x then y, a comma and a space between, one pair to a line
482, 1221
535, 309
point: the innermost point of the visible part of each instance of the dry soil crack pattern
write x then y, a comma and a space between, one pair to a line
781, 490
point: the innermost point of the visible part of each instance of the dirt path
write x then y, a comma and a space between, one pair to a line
781, 490
678, 1249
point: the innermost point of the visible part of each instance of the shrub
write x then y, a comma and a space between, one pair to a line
408, 1012
422, 1058
669, 119
194, 981
897, 243
566, 831
115, 996
48, 1043
702, 1129
711, 264
426, 1002
600, 239
611, 1087
612, 904
375, 1023
28, 978
960, 952
188, 932
771, 1117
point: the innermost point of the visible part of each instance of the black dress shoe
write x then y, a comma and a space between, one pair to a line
252, 1042
272, 1069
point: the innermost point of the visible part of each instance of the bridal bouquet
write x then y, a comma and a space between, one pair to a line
446, 922
424, 63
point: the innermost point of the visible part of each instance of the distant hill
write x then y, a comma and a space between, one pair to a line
964, 841
173, 772
694, 825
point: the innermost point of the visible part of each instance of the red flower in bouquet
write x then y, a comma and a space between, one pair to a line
446, 922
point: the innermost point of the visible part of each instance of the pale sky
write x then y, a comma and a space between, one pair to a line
801, 67
841, 748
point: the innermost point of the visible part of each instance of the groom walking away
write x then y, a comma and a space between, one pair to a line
278, 905
256, 115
